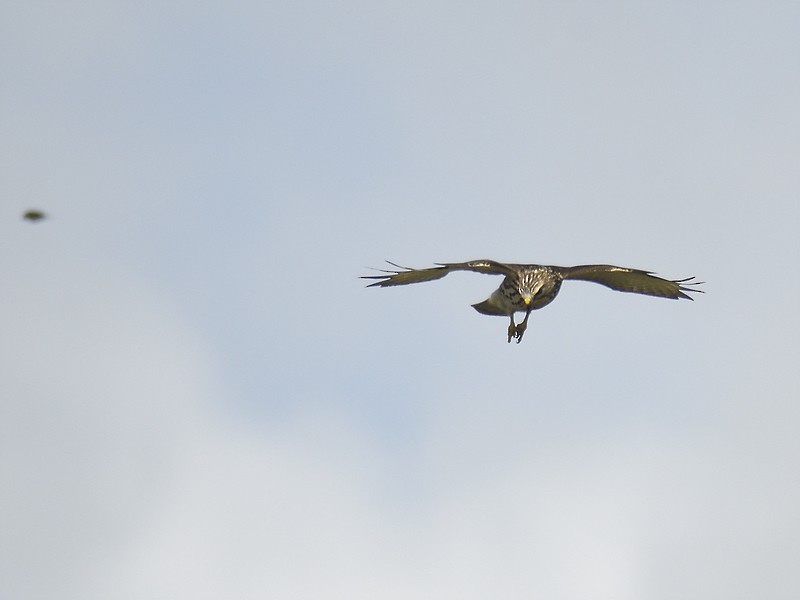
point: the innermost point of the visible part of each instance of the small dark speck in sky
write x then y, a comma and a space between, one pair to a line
33, 215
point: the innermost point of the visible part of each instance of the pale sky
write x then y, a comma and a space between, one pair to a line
200, 400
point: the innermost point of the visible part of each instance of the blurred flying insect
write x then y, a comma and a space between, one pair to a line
33, 215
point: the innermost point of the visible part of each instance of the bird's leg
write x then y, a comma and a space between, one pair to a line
520, 329
512, 329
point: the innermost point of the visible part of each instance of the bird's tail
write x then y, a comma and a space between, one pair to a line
487, 307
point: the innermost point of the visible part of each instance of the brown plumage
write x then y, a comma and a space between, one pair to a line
529, 287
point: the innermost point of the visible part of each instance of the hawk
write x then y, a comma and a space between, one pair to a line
529, 287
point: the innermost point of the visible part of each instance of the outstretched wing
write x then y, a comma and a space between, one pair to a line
631, 280
405, 275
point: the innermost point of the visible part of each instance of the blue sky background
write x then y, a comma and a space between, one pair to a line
200, 399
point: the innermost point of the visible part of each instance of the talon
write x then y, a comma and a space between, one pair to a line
520, 329
512, 329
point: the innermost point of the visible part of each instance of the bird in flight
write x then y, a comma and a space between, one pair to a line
529, 287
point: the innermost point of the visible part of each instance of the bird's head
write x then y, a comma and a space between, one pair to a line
533, 289
528, 292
